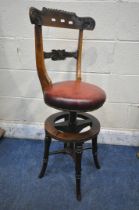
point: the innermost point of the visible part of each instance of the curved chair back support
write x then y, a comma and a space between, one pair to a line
61, 19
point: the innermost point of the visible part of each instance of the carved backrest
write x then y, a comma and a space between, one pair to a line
62, 19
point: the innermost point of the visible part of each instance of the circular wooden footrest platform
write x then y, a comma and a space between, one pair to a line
66, 134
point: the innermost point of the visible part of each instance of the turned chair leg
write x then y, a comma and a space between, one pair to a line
47, 142
65, 145
78, 157
94, 151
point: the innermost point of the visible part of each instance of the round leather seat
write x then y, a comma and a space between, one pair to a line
74, 96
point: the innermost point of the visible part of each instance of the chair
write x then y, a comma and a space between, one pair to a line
74, 97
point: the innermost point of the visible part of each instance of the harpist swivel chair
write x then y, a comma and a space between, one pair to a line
73, 97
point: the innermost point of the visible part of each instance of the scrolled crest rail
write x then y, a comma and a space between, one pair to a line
60, 18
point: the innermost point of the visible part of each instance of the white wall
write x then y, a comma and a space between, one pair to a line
110, 60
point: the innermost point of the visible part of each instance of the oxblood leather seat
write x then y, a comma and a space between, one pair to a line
74, 95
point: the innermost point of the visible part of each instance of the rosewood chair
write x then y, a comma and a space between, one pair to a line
74, 97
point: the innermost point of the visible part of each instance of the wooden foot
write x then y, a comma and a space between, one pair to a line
94, 151
47, 143
2, 132
78, 156
65, 145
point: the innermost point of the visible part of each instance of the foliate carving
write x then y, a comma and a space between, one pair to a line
87, 23
60, 18
51, 12
59, 55
35, 16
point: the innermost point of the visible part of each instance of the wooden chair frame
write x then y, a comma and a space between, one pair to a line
67, 131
